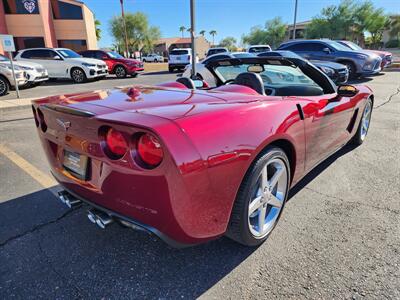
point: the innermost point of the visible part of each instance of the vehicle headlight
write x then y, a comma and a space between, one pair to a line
328, 71
368, 66
88, 65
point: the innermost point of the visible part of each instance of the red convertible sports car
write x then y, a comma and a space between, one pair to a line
191, 163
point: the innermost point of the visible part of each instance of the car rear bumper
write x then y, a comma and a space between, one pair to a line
120, 217
178, 65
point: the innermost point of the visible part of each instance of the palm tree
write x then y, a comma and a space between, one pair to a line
203, 32
182, 29
213, 33
97, 25
395, 27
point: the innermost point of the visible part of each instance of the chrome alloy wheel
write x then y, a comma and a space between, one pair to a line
366, 118
78, 76
268, 198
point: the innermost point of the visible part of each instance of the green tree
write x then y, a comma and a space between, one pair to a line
273, 33
395, 27
202, 32
182, 29
213, 33
97, 25
140, 33
229, 42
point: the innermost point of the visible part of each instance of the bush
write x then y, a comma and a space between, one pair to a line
393, 44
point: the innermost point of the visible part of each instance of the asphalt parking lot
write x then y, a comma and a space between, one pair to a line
339, 236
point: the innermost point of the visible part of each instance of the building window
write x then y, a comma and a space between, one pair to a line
21, 7
66, 11
28, 42
76, 45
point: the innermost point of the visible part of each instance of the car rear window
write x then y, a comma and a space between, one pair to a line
179, 52
215, 51
259, 49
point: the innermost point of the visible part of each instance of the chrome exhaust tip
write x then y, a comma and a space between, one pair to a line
68, 199
99, 218
92, 217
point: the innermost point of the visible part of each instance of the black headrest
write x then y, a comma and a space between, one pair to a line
251, 80
186, 81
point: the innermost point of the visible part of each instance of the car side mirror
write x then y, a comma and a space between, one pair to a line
347, 90
198, 83
57, 57
104, 57
326, 50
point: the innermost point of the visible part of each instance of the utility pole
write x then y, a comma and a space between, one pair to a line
295, 20
124, 24
192, 36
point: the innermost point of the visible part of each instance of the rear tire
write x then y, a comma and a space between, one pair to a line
261, 198
4, 86
78, 75
363, 127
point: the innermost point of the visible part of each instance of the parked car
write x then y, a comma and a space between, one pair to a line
216, 50
259, 48
222, 160
359, 63
179, 58
204, 74
7, 79
386, 56
337, 72
35, 73
152, 58
65, 63
116, 63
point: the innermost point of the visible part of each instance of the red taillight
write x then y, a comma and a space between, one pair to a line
150, 150
116, 143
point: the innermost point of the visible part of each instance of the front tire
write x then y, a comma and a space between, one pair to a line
261, 198
78, 75
120, 72
4, 86
352, 69
363, 127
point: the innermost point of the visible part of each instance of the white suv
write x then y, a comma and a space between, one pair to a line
36, 73
179, 58
7, 79
65, 63
152, 58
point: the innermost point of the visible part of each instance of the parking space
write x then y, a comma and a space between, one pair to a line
338, 238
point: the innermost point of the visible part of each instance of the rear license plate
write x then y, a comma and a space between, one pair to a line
178, 58
76, 164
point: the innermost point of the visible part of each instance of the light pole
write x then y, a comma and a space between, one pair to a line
294, 22
124, 24
192, 36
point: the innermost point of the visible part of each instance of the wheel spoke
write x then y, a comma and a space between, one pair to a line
264, 178
274, 180
254, 205
274, 201
261, 219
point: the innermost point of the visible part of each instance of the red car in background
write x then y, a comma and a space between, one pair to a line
387, 57
117, 64
192, 164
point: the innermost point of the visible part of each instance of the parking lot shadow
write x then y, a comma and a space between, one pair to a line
50, 252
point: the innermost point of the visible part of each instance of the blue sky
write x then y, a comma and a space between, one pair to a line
227, 17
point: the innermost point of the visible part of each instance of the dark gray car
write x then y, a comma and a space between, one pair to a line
359, 63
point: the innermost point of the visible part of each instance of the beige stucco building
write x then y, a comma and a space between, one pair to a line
48, 23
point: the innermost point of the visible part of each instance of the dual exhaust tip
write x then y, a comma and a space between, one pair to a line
95, 216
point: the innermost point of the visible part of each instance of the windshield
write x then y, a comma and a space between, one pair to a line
337, 46
353, 46
113, 54
272, 75
66, 53
3, 58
